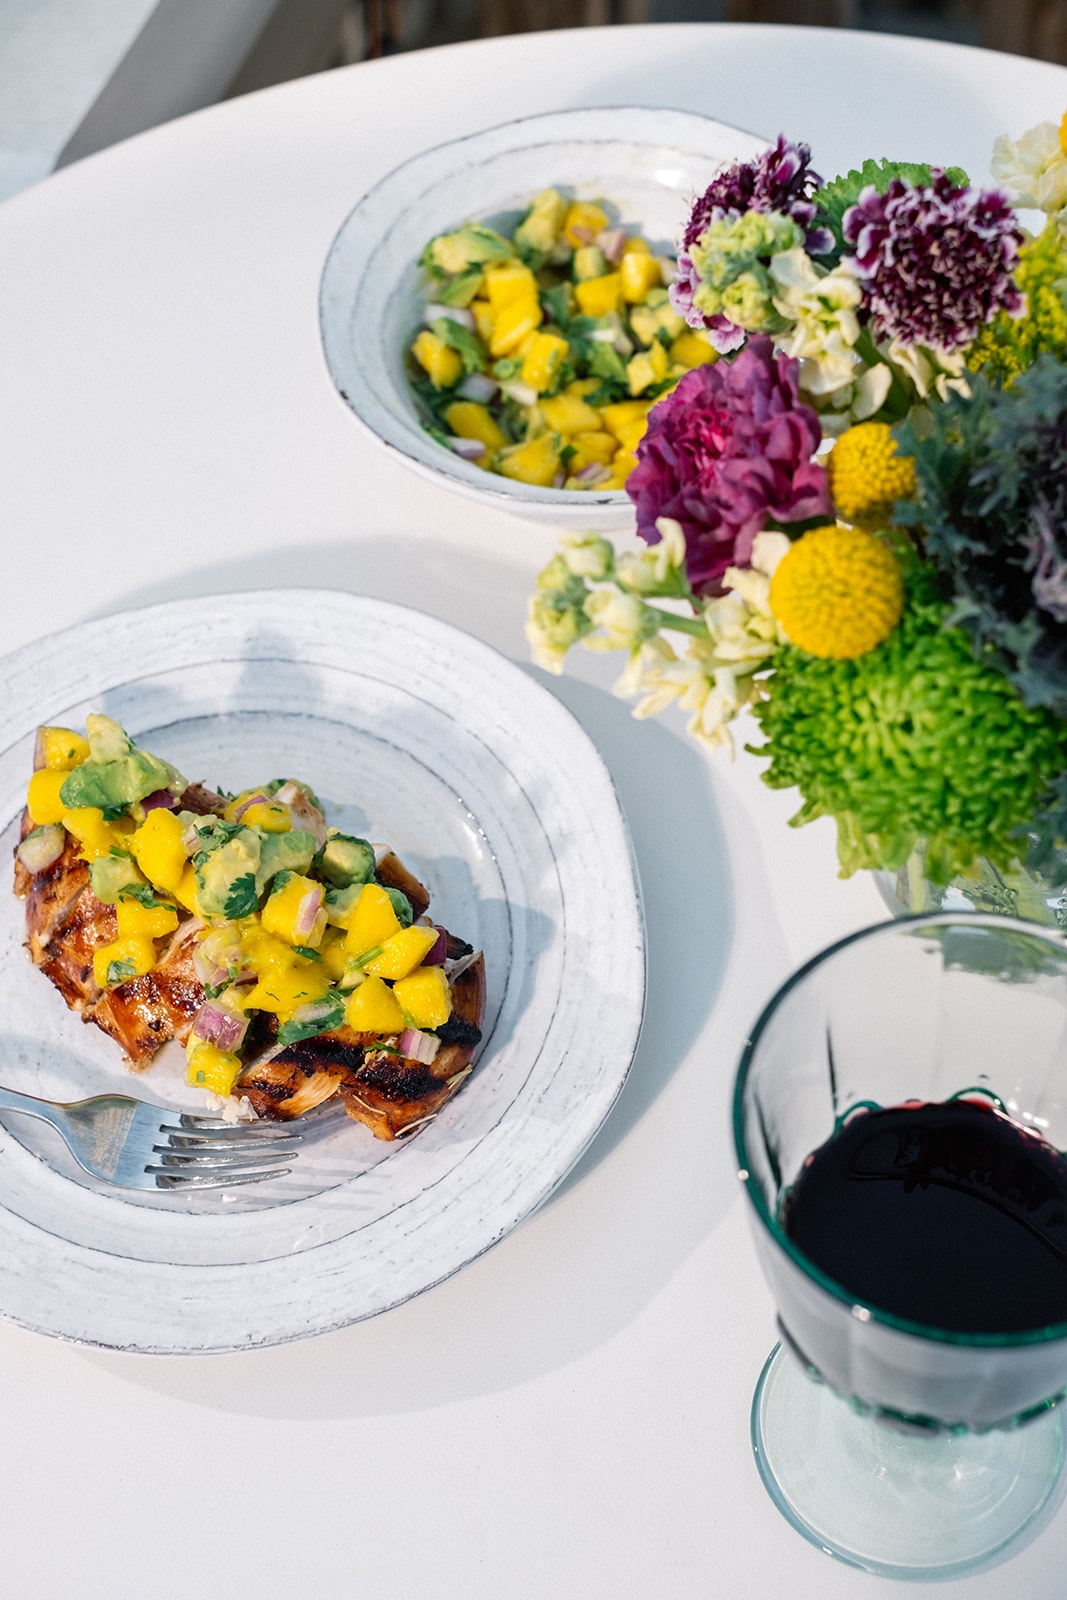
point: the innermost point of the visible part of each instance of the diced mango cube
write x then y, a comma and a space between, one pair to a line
569, 413
185, 891
97, 837
208, 1067
597, 297
273, 816
506, 284
374, 1008
424, 997
483, 315
583, 386
638, 272
692, 349
441, 364
513, 322
129, 956
591, 449
295, 912
283, 989
537, 461
630, 438
468, 420
158, 850
42, 796
622, 414
541, 355
373, 920
647, 367
154, 922
403, 952
60, 749
333, 953
583, 222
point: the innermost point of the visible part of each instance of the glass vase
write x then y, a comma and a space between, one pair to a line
1013, 892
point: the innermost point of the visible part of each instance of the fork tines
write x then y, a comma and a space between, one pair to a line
208, 1153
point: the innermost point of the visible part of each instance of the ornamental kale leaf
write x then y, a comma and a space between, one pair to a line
835, 197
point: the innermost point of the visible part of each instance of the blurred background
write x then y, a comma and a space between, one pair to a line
77, 75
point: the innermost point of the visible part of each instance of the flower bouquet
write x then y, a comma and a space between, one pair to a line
854, 513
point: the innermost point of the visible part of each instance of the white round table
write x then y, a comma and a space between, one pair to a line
566, 1419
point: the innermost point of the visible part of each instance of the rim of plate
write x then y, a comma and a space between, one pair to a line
375, 398
529, 758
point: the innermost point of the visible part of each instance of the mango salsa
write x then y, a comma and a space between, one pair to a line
559, 325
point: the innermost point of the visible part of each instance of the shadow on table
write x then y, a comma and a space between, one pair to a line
659, 1178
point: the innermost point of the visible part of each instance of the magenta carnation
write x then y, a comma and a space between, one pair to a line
781, 179
729, 448
936, 261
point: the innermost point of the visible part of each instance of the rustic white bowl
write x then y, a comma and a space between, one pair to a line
647, 163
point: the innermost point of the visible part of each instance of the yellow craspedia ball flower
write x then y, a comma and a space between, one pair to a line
837, 592
867, 476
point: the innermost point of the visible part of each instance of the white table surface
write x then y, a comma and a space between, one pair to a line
567, 1419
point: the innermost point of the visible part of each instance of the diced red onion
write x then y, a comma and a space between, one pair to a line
159, 800
523, 394
305, 812
253, 800
478, 386
437, 951
469, 449
589, 476
458, 314
222, 1028
580, 234
611, 242
41, 847
418, 1046
39, 759
307, 911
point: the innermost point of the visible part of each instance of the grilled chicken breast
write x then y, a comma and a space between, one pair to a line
386, 1091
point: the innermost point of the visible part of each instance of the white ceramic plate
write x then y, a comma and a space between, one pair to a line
647, 163
412, 733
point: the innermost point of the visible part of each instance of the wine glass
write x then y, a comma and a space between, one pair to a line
920, 1450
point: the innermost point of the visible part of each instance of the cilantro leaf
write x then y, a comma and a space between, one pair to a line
119, 971
241, 899
307, 952
466, 344
144, 894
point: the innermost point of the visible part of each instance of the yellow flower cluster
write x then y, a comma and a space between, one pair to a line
867, 476
1007, 346
837, 592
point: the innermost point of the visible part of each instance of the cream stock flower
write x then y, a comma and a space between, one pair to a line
624, 620
930, 370
822, 310
660, 568
588, 555
1032, 169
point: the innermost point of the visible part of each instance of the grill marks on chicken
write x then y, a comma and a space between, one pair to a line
389, 1093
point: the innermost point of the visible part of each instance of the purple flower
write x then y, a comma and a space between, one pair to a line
936, 261
728, 448
782, 180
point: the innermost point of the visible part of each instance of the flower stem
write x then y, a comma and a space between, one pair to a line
671, 619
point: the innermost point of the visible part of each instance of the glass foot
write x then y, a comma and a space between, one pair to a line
898, 1504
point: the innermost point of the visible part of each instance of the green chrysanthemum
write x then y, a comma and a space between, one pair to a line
916, 739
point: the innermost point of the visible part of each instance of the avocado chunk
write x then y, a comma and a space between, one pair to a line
344, 859
117, 774
109, 875
283, 852
226, 865
470, 246
540, 227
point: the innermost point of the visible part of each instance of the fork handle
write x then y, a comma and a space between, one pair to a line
12, 1100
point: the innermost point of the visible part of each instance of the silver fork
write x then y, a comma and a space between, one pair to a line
135, 1145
